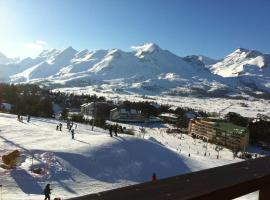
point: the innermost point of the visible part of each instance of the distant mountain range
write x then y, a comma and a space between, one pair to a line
148, 69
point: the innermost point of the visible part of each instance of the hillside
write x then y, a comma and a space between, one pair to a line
94, 161
249, 67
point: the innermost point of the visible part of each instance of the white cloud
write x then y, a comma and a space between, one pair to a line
38, 45
41, 42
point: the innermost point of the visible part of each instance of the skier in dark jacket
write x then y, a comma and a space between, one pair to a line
111, 130
115, 130
72, 134
60, 126
47, 192
28, 118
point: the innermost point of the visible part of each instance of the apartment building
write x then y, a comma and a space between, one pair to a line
220, 132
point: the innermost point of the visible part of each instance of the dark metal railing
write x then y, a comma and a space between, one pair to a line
219, 183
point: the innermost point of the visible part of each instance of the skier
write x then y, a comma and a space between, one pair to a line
110, 130
57, 126
68, 124
115, 130
70, 127
154, 178
47, 192
60, 126
121, 129
19, 118
28, 118
72, 134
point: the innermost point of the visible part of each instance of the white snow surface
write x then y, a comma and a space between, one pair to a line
94, 161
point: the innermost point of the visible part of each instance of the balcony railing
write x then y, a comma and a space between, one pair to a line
219, 183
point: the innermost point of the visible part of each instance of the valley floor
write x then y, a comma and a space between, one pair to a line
246, 108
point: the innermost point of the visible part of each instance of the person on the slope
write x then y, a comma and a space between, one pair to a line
115, 130
47, 192
154, 177
72, 134
111, 130
60, 126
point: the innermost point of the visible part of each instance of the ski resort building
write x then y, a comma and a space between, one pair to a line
126, 115
223, 133
169, 118
89, 108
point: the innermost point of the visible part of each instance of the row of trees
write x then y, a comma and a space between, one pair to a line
259, 129
27, 100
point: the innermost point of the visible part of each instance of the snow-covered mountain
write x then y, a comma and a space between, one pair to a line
200, 60
146, 69
250, 67
8, 66
6, 60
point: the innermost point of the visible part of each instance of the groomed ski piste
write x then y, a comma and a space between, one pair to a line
94, 161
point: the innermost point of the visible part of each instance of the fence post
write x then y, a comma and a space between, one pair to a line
264, 193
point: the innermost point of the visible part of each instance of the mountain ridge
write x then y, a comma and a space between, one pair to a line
147, 68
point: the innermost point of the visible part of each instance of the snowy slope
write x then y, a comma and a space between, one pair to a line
6, 60
51, 64
7, 67
200, 60
94, 161
249, 67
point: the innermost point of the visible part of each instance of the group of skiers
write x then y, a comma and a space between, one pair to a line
70, 126
111, 129
20, 118
59, 127
115, 129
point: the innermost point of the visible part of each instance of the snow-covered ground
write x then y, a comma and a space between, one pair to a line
94, 161
247, 108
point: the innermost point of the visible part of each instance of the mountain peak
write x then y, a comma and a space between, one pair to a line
69, 50
47, 52
240, 50
147, 47
247, 53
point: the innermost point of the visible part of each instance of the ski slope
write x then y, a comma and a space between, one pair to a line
94, 161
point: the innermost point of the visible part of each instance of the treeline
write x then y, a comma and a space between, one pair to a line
27, 100
73, 100
259, 129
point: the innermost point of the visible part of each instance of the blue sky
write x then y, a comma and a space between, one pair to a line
209, 27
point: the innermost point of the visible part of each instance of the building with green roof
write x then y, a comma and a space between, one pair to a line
220, 132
